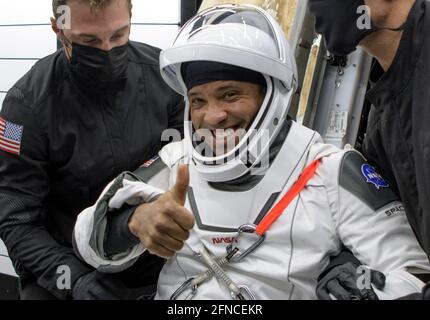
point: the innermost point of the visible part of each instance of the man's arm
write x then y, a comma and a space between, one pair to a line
24, 185
373, 150
371, 222
148, 190
118, 237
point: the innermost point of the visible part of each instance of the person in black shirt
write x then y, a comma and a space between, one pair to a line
78, 118
397, 139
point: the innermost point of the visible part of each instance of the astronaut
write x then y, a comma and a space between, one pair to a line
262, 203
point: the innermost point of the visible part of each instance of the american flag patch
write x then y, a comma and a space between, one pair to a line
10, 136
150, 161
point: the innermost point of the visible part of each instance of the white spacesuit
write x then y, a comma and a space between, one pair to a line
345, 200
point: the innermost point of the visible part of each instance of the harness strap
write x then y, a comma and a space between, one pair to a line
279, 208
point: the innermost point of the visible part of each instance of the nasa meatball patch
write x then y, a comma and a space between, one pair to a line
363, 181
373, 177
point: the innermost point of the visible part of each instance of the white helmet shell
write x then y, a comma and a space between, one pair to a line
244, 36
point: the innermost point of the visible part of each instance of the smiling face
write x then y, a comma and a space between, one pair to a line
222, 112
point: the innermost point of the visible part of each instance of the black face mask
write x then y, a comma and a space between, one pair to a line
337, 21
99, 70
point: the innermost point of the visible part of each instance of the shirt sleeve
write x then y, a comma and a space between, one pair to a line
373, 148
118, 237
371, 223
101, 235
24, 186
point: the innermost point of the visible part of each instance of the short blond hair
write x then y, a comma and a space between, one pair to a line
93, 4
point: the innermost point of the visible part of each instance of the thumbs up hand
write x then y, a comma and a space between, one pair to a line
163, 225
179, 190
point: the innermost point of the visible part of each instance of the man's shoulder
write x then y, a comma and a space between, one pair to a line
349, 170
43, 79
143, 53
361, 179
173, 153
